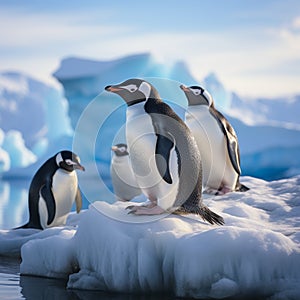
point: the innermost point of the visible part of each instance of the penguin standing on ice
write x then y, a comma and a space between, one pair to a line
216, 140
123, 179
163, 153
53, 190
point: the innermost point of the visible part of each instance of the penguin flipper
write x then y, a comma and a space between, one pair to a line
162, 157
231, 139
78, 200
47, 195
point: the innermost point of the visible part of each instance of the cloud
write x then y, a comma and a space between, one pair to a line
38, 30
37, 42
296, 23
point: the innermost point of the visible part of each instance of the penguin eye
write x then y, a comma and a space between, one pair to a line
196, 92
122, 149
131, 88
70, 162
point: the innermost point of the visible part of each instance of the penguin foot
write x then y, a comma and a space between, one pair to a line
210, 191
144, 210
147, 204
223, 190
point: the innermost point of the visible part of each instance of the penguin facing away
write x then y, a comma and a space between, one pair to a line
123, 179
53, 190
163, 154
216, 140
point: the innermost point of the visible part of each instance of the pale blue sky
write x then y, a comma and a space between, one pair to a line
253, 46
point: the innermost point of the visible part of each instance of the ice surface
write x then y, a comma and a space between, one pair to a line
256, 253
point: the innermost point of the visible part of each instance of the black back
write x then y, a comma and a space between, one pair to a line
42, 177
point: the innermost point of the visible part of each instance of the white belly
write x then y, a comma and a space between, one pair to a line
123, 178
217, 167
141, 140
64, 188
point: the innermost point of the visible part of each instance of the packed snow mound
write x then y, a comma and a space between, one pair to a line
256, 253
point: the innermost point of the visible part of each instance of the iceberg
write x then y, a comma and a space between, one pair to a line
268, 129
262, 129
14, 145
256, 253
32, 116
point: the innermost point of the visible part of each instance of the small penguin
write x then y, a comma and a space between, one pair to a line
163, 154
53, 190
123, 179
216, 140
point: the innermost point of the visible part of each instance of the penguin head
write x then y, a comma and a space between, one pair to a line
196, 95
68, 161
120, 149
134, 91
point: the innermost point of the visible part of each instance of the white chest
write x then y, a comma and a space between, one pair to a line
121, 167
141, 140
64, 188
210, 140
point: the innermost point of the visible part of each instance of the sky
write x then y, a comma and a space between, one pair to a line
252, 46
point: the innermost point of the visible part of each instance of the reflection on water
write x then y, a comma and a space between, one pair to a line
14, 286
44, 288
13, 203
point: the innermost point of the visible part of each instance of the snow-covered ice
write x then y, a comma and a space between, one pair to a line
256, 253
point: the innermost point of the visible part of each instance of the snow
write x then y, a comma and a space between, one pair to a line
256, 253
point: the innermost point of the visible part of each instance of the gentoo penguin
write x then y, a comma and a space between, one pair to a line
216, 140
123, 179
53, 190
163, 154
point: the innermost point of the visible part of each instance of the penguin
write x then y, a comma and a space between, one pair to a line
53, 190
216, 140
163, 154
123, 179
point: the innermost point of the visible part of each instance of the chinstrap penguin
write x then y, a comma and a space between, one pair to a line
123, 179
216, 140
53, 190
163, 154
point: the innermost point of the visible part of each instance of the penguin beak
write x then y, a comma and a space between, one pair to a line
79, 167
184, 88
114, 148
112, 89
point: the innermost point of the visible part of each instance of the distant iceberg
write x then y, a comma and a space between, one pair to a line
32, 115
268, 131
